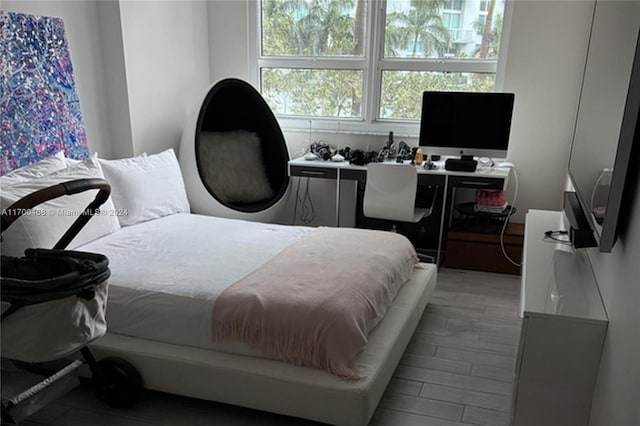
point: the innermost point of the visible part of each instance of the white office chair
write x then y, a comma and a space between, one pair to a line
390, 193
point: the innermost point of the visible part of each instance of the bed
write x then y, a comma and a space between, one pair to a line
169, 267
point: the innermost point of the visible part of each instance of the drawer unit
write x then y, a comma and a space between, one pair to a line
424, 180
475, 182
352, 174
313, 172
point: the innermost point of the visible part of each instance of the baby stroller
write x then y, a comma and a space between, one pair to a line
56, 306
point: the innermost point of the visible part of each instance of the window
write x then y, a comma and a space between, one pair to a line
452, 4
451, 17
361, 63
482, 16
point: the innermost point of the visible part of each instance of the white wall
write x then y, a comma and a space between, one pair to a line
82, 27
617, 393
618, 274
228, 39
118, 113
166, 52
547, 50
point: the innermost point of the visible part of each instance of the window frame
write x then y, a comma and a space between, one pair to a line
372, 64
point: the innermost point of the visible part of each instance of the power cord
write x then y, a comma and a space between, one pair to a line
295, 204
605, 180
506, 221
308, 209
552, 236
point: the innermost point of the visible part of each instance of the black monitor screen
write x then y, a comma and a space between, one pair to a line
466, 121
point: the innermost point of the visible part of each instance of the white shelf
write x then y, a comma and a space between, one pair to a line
559, 280
563, 329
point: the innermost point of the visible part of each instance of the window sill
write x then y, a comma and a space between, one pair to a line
351, 127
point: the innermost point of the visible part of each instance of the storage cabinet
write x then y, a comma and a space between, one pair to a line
563, 329
482, 251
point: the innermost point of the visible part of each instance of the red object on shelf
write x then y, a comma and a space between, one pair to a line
491, 198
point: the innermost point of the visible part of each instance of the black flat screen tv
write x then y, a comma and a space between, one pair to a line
466, 123
605, 151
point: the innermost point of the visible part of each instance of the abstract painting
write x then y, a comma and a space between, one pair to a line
39, 107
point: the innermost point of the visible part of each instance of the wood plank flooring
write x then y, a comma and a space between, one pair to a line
457, 371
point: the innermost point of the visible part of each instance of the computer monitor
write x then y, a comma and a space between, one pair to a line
466, 123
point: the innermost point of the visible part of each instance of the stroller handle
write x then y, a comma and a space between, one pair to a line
13, 212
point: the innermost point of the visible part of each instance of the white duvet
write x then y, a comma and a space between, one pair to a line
165, 273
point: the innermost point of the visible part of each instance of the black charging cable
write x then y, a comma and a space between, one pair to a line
308, 209
552, 235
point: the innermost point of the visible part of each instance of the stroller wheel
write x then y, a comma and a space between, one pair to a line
7, 419
120, 384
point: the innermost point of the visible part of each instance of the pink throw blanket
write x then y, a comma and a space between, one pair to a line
315, 302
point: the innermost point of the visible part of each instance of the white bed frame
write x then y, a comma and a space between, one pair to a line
276, 386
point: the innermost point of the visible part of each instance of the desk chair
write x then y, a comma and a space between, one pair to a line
390, 194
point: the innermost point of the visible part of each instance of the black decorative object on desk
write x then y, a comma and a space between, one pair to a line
346, 153
359, 157
458, 165
322, 150
405, 152
388, 152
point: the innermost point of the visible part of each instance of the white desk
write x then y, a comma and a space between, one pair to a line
501, 173
482, 178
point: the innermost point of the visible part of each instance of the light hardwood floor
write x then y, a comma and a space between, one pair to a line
456, 371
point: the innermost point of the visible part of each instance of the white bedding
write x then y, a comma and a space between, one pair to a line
170, 344
163, 283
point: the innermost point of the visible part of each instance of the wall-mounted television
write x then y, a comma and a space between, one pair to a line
605, 152
466, 123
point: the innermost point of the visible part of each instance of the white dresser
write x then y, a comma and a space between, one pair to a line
563, 329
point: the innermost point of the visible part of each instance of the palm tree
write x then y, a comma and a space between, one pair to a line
359, 28
492, 40
420, 27
316, 28
323, 18
279, 27
486, 31
313, 27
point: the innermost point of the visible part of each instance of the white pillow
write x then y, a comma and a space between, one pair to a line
146, 187
73, 162
34, 171
47, 222
232, 166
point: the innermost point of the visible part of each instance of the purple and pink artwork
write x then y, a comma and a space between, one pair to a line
39, 107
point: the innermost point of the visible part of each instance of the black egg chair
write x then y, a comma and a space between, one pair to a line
233, 155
